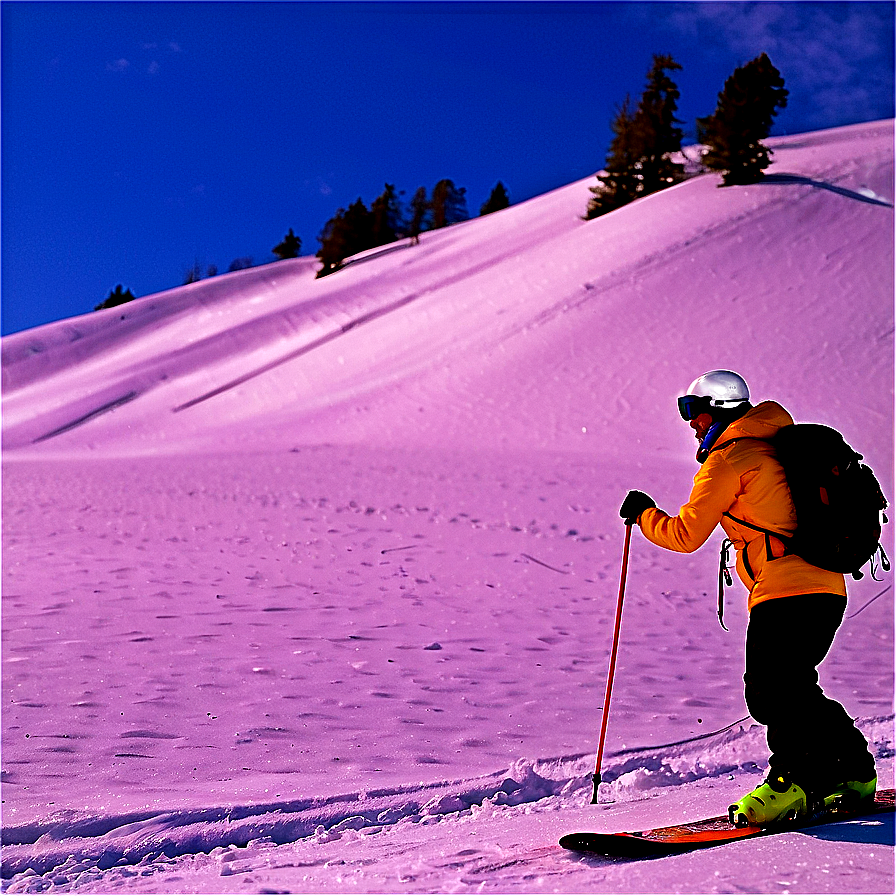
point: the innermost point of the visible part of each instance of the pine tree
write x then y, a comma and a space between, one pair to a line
639, 162
618, 182
743, 118
358, 227
348, 232
496, 201
385, 217
449, 204
333, 244
117, 296
289, 247
420, 209
193, 274
655, 127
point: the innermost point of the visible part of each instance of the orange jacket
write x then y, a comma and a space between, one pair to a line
743, 478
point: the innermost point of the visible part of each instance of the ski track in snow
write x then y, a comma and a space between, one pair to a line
65, 848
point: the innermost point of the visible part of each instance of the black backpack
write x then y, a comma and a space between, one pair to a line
838, 500
839, 503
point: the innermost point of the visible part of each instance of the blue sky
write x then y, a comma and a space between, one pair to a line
140, 138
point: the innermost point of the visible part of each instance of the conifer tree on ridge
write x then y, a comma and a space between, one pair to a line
743, 118
655, 125
639, 162
385, 217
420, 209
618, 183
288, 247
496, 201
118, 296
448, 204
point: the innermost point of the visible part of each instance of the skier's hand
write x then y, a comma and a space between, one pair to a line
634, 505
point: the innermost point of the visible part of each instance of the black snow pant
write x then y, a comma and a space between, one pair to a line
811, 737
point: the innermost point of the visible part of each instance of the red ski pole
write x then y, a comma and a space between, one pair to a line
596, 777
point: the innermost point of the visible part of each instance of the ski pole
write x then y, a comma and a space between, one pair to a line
596, 777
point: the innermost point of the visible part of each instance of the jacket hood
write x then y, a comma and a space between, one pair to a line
761, 422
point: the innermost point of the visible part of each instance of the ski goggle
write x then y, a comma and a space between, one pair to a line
691, 406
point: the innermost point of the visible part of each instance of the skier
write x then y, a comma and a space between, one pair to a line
795, 608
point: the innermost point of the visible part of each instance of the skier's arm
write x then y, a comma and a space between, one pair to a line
715, 488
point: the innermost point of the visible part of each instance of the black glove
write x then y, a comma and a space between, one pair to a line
634, 505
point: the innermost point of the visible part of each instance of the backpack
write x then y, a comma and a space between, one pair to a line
839, 502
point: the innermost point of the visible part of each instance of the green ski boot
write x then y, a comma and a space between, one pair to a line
776, 801
851, 793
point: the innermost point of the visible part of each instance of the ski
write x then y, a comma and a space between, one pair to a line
678, 838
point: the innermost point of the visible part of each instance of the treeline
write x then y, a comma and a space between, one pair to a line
358, 228
640, 161
646, 137
388, 219
288, 247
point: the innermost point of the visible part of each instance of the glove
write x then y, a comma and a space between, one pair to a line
634, 505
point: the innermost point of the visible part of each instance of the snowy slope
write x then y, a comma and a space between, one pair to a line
423, 344
309, 584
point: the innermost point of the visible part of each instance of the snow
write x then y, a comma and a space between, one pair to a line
309, 585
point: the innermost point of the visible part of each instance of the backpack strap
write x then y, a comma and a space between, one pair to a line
768, 533
725, 444
708, 446
725, 576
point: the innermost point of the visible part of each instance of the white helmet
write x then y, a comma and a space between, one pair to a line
718, 389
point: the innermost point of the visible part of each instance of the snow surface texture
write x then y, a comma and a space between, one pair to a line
308, 585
